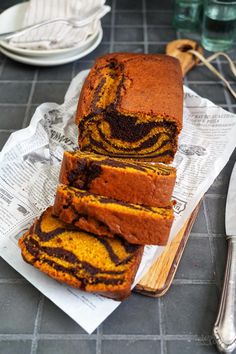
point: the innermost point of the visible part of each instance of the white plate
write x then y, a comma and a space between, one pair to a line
12, 19
56, 60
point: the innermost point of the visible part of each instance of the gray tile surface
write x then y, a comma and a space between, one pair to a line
134, 48
100, 50
124, 18
199, 225
18, 307
54, 321
131, 347
186, 347
12, 117
220, 185
29, 115
49, 92
7, 272
61, 73
83, 65
186, 302
131, 34
66, 347
212, 91
156, 34
106, 33
159, 5
15, 347
14, 92
3, 138
232, 99
215, 208
129, 317
220, 251
181, 322
159, 18
13, 71
156, 48
196, 263
129, 5
202, 74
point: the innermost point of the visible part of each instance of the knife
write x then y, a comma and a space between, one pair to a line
225, 326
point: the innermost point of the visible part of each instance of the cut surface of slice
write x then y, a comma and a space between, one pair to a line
104, 216
129, 181
131, 105
80, 259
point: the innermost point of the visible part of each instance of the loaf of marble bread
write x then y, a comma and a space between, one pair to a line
95, 264
131, 105
108, 217
128, 181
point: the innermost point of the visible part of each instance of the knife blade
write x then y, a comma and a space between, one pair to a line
230, 211
224, 329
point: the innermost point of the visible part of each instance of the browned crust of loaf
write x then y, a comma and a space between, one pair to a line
112, 293
135, 187
156, 86
100, 220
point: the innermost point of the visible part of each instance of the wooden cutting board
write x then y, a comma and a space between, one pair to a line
159, 277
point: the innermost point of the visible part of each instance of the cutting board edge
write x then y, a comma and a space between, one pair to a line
151, 292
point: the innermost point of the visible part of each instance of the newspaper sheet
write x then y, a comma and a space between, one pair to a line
29, 168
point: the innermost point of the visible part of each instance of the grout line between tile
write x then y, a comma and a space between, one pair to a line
37, 323
138, 42
2, 104
145, 34
30, 99
7, 130
139, 26
112, 34
131, 337
189, 337
13, 281
206, 82
193, 282
67, 336
33, 80
2, 66
73, 70
198, 235
226, 93
215, 196
162, 323
186, 82
99, 340
15, 337
167, 337
107, 337
211, 243
168, 11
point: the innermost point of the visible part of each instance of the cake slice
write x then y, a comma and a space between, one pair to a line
129, 181
95, 264
104, 216
131, 105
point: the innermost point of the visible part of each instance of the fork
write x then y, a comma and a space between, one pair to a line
75, 22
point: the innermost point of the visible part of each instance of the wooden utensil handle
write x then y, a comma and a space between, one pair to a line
179, 49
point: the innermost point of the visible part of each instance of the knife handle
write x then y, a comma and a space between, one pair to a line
224, 329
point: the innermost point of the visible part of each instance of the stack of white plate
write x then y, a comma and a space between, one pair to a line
12, 19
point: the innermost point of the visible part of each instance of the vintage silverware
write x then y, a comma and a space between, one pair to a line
225, 327
75, 22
